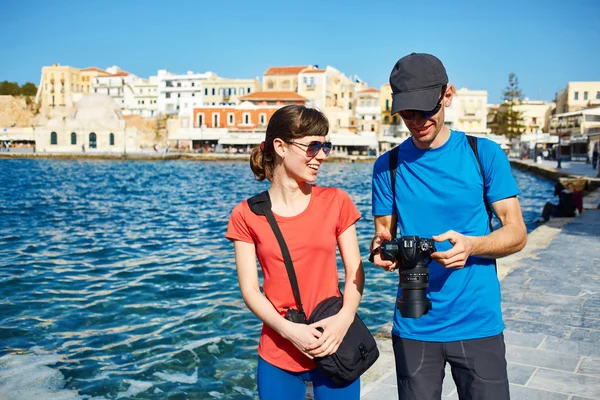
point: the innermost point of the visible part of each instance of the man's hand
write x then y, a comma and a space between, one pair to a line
457, 256
377, 260
334, 330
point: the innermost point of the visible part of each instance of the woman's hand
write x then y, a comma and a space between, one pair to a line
302, 336
334, 330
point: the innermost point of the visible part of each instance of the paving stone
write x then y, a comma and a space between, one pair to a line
585, 335
523, 339
518, 373
382, 392
572, 347
541, 358
590, 366
561, 382
534, 327
526, 393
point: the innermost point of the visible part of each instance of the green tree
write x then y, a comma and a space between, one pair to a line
9, 89
508, 120
28, 89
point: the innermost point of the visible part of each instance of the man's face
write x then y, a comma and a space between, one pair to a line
424, 128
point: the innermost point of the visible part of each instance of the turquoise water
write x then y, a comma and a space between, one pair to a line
117, 274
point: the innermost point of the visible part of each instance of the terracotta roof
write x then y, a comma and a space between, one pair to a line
273, 96
94, 69
121, 73
370, 90
314, 71
285, 70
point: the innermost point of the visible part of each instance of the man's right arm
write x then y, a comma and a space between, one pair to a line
383, 225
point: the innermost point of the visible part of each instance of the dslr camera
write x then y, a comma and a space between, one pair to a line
412, 254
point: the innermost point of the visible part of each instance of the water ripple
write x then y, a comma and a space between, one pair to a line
121, 270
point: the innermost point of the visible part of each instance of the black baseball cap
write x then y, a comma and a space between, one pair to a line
416, 81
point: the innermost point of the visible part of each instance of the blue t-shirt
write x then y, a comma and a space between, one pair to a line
438, 190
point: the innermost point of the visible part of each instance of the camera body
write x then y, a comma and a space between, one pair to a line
412, 254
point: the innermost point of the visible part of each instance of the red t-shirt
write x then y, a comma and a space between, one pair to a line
311, 238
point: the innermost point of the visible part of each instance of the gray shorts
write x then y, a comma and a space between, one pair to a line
478, 368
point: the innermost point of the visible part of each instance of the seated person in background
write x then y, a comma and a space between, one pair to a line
565, 207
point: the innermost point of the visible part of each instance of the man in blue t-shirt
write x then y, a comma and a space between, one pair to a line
439, 191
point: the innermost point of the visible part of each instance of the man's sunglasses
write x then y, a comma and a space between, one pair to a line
411, 114
313, 148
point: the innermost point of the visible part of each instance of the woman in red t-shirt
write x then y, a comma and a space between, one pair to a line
312, 220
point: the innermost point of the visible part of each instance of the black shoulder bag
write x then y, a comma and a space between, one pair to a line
358, 350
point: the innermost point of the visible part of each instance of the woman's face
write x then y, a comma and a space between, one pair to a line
299, 161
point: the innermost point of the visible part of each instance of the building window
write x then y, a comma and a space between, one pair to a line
73, 138
576, 95
270, 85
372, 128
92, 140
53, 138
200, 120
248, 91
585, 95
246, 118
262, 119
111, 139
230, 119
206, 91
242, 91
395, 119
178, 84
387, 104
215, 120
386, 120
168, 95
193, 84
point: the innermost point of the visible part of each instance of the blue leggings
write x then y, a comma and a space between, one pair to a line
276, 384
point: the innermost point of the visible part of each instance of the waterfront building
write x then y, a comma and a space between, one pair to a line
87, 78
180, 92
143, 99
579, 132
577, 96
118, 85
219, 91
468, 111
393, 130
60, 87
368, 112
334, 93
283, 79
96, 125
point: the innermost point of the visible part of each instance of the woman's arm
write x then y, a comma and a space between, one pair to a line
300, 335
335, 327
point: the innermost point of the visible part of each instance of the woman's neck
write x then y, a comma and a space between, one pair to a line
288, 197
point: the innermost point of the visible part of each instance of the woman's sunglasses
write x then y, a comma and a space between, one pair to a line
313, 148
411, 114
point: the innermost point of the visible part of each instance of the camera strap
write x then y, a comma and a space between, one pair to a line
261, 205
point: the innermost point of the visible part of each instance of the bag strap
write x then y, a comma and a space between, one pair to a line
394, 155
473, 143
261, 205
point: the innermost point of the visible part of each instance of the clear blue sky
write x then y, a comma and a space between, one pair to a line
546, 43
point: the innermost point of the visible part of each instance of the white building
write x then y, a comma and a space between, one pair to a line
96, 125
144, 100
118, 85
368, 113
183, 92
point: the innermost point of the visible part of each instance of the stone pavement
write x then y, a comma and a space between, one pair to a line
568, 167
551, 305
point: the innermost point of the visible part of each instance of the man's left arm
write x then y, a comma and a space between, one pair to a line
509, 239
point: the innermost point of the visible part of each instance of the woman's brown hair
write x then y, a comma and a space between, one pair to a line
288, 123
